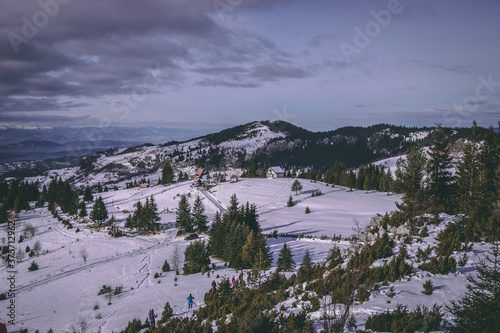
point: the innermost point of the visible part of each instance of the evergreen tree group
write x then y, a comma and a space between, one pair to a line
473, 192
18, 195
236, 237
61, 193
189, 220
196, 258
145, 217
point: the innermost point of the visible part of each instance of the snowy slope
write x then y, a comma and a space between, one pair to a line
65, 288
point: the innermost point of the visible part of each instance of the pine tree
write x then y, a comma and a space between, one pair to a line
250, 217
487, 182
83, 210
167, 313
290, 202
235, 240
183, 215
252, 171
198, 216
167, 174
249, 250
366, 184
285, 259
135, 220
296, 186
87, 195
259, 267
305, 269
4, 213
233, 212
196, 258
99, 212
478, 309
153, 215
99, 187
467, 174
351, 180
388, 181
410, 175
440, 178
165, 267
307, 210
263, 248
217, 236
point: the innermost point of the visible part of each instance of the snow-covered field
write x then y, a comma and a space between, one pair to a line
64, 289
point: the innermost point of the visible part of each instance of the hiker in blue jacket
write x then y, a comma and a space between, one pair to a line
190, 301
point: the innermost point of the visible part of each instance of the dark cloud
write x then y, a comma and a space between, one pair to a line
276, 72
319, 40
451, 68
13, 117
40, 104
97, 48
225, 83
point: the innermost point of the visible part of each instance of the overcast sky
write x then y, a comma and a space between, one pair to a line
213, 64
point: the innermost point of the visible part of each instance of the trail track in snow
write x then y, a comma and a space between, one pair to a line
75, 270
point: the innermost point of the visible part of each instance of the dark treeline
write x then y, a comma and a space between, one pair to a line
19, 194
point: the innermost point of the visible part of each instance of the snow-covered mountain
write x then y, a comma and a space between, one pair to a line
268, 143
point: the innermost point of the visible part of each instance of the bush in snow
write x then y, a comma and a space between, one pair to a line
402, 320
33, 266
166, 314
104, 290
441, 265
427, 288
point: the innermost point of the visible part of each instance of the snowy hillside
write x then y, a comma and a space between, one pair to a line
64, 290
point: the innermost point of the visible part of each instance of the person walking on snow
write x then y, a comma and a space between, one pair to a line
152, 317
190, 301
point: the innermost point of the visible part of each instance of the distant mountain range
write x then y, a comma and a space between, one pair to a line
21, 144
114, 159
